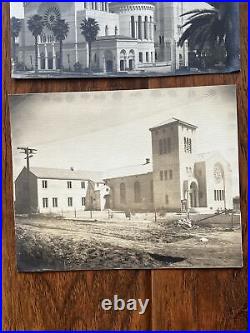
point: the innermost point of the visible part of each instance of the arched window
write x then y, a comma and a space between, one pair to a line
137, 191
122, 193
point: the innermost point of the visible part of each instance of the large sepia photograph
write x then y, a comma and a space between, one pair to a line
126, 179
123, 39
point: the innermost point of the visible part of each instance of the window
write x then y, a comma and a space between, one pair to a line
187, 145
146, 28
122, 193
164, 146
137, 192
70, 202
140, 57
44, 184
54, 202
147, 57
170, 174
83, 201
116, 30
161, 149
223, 195
161, 175
169, 148
69, 184
82, 184
139, 27
166, 174
166, 199
45, 203
133, 27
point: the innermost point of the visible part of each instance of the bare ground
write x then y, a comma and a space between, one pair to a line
68, 244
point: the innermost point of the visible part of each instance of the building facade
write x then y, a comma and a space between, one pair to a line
46, 190
133, 36
177, 179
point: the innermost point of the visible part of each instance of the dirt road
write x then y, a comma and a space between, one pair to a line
58, 244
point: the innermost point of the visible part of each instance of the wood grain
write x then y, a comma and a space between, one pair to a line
179, 299
208, 299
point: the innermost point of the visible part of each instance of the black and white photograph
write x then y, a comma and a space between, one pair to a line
126, 179
123, 39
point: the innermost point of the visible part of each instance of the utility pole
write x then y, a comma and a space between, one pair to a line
29, 153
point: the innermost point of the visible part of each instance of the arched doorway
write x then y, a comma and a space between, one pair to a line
193, 195
122, 60
131, 60
108, 59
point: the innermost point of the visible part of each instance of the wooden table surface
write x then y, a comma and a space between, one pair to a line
180, 299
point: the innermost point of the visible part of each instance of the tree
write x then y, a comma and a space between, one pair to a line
36, 25
89, 29
60, 30
210, 28
15, 26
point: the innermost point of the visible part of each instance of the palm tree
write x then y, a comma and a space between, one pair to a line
60, 30
36, 25
15, 26
89, 29
209, 28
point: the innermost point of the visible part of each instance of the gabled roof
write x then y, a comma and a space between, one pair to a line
67, 174
133, 170
172, 121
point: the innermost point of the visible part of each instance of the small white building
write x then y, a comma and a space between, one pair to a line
58, 191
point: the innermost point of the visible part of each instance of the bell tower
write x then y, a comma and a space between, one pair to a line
173, 148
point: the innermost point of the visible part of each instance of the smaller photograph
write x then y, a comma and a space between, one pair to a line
123, 39
126, 179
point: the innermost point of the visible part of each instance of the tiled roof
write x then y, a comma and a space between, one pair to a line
51, 173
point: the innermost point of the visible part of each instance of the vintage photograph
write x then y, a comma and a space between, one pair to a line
126, 179
123, 39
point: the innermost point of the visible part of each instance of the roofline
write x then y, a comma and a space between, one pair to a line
175, 120
134, 175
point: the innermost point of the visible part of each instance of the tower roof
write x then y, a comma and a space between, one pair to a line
172, 121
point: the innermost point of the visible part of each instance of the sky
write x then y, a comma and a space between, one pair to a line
16, 8
107, 130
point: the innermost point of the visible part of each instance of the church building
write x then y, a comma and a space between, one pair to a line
133, 36
177, 179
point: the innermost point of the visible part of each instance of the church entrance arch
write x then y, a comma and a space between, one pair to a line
193, 195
